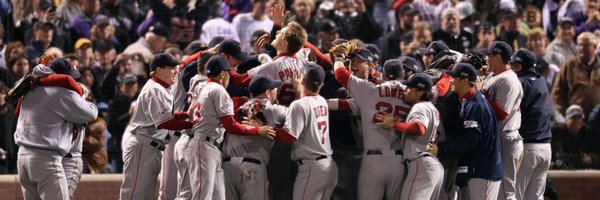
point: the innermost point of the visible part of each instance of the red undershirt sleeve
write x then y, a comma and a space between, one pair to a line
443, 85
283, 136
322, 59
233, 127
410, 128
61, 80
175, 124
240, 80
181, 115
342, 75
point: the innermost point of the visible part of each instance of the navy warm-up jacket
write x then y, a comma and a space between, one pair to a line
536, 108
477, 145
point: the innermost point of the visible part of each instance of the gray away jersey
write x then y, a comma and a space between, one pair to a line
307, 119
212, 102
154, 107
416, 146
506, 89
371, 99
257, 147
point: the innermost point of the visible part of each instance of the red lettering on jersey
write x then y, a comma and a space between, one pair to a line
321, 111
288, 74
391, 92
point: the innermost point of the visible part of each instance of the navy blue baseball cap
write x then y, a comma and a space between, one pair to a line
420, 81
374, 51
163, 60
526, 58
215, 41
63, 66
161, 30
261, 83
216, 65
313, 74
232, 48
363, 54
393, 69
500, 48
464, 70
434, 48
410, 64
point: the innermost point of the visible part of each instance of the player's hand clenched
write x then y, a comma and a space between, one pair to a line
267, 131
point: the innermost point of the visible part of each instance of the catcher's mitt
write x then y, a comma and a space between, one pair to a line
253, 109
22, 87
343, 50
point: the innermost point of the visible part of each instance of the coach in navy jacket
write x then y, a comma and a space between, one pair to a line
536, 114
477, 144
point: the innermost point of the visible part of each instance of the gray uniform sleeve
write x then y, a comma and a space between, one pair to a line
419, 113
73, 108
223, 103
360, 88
295, 119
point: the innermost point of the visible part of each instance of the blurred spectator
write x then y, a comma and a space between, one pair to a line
88, 78
431, 11
407, 47
2, 47
588, 20
407, 15
124, 17
7, 121
421, 37
328, 32
104, 54
41, 41
118, 118
123, 65
564, 43
103, 30
355, 22
509, 29
303, 14
218, 27
572, 145
577, 81
538, 43
94, 154
486, 34
154, 41
175, 52
17, 68
43, 11
82, 24
84, 52
466, 14
247, 23
69, 9
13, 50
451, 32
231, 8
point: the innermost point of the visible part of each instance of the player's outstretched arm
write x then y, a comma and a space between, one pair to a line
234, 127
347, 105
411, 128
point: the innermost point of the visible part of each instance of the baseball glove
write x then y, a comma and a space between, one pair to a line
22, 87
46, 59
343, 50
252, 109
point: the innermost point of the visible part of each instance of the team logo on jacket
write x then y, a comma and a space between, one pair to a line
470, 124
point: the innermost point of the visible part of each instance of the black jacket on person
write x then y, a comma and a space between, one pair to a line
568, 148
185, 24
461, 42
536, 108
515, 39
390, 44
125, 20
118, 118
361, 26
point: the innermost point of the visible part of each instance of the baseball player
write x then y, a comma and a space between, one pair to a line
504, 91
213, 112
151, 120
47, 120
307, 128
245, 158
291, 57
380, 145
183, 152
477, 144
424, 172
535, 129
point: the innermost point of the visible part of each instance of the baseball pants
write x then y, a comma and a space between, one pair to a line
245, 180
73, 167
206, 174
424, 179
182, 156
381, 175
531, 179
512, 153
316, 179
480, 189
42, 177
140, 169
168, 173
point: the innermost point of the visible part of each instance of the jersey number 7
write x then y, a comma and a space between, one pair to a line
323, 128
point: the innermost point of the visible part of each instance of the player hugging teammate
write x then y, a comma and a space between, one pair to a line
447, 131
